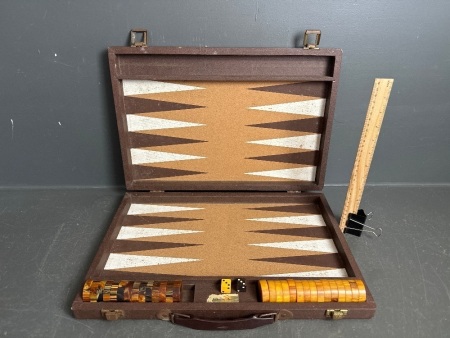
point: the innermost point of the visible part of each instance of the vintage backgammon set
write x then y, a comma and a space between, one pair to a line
223, 225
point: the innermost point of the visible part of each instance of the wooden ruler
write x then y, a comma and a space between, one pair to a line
374, 119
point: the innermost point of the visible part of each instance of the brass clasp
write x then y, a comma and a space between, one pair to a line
336, 314
112, 314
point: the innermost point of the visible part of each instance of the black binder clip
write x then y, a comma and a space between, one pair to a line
356, 224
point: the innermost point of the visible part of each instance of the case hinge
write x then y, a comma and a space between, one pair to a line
336, 314
143, 33
112, 314
306, 39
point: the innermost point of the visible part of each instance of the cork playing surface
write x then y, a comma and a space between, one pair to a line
224, 239
224, 131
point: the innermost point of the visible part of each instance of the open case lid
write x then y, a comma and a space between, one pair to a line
224, 118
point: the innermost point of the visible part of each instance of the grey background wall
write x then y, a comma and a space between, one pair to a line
57, 124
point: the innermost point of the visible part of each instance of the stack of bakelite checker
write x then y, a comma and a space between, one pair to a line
132, 291
311, 291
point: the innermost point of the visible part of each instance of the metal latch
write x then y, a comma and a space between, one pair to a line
143, 42
112, 314
336, 314
306, 38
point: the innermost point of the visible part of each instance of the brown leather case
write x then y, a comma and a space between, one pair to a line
224, 153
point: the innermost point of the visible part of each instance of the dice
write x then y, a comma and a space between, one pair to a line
240, 285
225, 285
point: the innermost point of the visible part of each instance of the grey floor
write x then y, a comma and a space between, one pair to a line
48, 238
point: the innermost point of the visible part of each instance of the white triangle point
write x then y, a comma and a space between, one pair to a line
320, 273
301, 174
141, 123
320, 245
314, 107
310, 142
121, 261
141, 156
313, 220
130, 232
137, 87
143, 209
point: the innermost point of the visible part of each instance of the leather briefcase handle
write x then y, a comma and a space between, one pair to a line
223, 324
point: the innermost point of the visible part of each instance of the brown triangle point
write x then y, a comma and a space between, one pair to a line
147, 172
307, 158
313, 232
123, 246
326, 260
310, 125
316, 89
139, 140
134, 220
136, 105
129, 274
300, 208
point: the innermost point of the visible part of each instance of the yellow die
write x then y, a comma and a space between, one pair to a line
225, 286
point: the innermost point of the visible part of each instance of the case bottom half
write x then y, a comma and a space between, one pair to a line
201, 238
